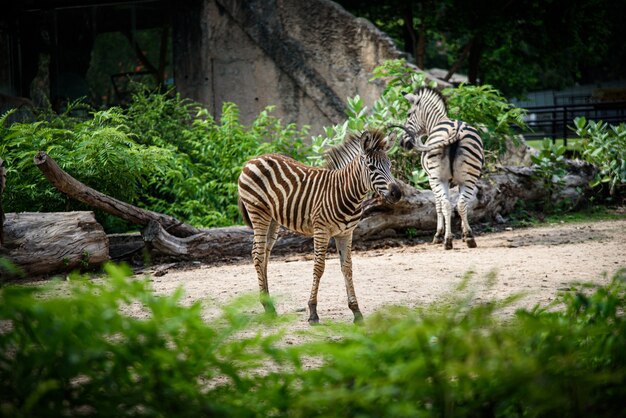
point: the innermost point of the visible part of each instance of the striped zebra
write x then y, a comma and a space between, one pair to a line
452, 153
322, 202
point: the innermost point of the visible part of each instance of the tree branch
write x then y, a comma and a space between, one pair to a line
83, 193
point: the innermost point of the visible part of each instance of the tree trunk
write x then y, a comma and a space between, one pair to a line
475, 53
459, 62
79, 191
46, 243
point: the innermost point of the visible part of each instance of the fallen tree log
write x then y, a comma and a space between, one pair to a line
497, 196
218, 243
83, 193
498, 193
46, 243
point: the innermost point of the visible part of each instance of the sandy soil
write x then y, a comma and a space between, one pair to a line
537, 261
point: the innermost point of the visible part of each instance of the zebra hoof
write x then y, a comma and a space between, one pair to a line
471, 243
314, 321
448, 244
358, 317
438, 239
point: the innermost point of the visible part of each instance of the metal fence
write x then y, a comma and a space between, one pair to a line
558, 121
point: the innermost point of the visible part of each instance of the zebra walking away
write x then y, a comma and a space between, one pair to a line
452, 153
322, 202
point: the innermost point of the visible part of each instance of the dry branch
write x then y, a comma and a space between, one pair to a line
83, 193
217, 243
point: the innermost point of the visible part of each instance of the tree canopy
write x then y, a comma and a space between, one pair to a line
516, 46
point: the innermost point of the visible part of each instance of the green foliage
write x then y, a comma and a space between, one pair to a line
201, 185
162, 153
517, 48
79, 354
99, 151
457, 359
482, 106
604, 146
550, 169
485, 108
72, 350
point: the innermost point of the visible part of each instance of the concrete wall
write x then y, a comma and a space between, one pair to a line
305, 58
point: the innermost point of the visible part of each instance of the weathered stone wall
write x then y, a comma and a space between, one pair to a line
305, 58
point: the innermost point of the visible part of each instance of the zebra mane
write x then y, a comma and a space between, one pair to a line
343, 154
420, 92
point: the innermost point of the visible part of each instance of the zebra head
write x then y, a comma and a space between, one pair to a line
375, 145
427, 107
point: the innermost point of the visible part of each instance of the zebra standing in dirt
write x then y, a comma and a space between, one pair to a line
323, 202
452, 152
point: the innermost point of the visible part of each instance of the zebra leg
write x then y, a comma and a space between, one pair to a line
466, 193
444, 212
320, 244
344, 248
270, 240
438, 238
260, 254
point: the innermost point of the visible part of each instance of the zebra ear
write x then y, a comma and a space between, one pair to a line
366, 141
375, 141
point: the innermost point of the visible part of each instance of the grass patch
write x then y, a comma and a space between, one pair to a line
573, 144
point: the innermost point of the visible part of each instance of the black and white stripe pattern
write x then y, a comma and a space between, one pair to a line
322, 202
452, 153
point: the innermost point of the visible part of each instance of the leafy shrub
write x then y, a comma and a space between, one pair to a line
201, 186
163, 153
458, 359
100, 151
550, 169
485, 108
482, 106
604, 146
78, 354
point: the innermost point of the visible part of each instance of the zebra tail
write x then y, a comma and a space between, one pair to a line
244, 213
417, 144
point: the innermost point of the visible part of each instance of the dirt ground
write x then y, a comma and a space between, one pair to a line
536, 261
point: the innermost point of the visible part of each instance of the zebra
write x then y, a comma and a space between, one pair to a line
453, 152
322, 202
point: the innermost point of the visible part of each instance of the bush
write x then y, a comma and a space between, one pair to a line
604, 146
201, 185
163, 153
550, 168
458, 359
482, 106
485, 108
79, 355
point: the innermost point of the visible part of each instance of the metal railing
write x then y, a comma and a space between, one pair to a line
558, 121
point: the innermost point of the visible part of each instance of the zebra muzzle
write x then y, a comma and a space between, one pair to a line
394, 193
